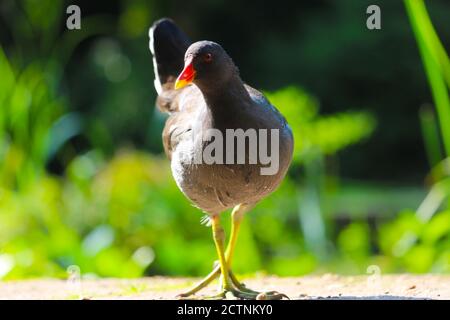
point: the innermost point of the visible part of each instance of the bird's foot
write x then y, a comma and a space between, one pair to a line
242, 292
203, 283
235, 290
236, 294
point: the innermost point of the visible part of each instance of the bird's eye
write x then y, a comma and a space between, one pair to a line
208, 57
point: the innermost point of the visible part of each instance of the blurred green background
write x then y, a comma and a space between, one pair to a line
84, 181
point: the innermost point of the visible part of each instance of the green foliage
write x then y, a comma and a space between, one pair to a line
29, 109
116, 212
418, 246
354, 241
436, 62
422, 238
314, 133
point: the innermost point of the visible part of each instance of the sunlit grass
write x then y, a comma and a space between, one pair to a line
436, 63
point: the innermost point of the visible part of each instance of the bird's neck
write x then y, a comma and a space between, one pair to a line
227, 98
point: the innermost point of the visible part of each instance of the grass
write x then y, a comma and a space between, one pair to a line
436, 63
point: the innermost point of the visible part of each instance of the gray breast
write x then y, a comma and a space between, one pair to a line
218, 187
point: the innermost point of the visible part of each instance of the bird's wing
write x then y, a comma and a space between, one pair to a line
260, 100
175, 130
179, 124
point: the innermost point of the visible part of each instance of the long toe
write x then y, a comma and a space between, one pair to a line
272, 295
254, 295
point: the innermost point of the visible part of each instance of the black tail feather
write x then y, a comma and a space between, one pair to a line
168, 43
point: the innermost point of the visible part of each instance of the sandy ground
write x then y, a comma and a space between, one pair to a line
311, 287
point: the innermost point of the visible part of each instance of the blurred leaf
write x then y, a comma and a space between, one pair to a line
438, 227
312, 132
290, 266
394, 233
354, 241
419, 259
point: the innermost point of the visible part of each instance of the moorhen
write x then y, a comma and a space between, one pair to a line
199, 86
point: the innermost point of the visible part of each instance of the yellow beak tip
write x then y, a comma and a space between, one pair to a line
181, 84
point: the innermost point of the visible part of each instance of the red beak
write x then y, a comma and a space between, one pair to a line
187, 75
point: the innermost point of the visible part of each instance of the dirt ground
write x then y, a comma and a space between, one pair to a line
311, 287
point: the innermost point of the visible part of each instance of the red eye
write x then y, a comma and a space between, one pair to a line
208, 57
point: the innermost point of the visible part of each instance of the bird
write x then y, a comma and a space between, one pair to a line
199, 86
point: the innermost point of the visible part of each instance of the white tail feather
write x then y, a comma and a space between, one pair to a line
157, 81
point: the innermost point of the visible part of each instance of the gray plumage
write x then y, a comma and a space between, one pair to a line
218, 99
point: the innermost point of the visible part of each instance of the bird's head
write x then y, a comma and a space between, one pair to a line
206, 64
